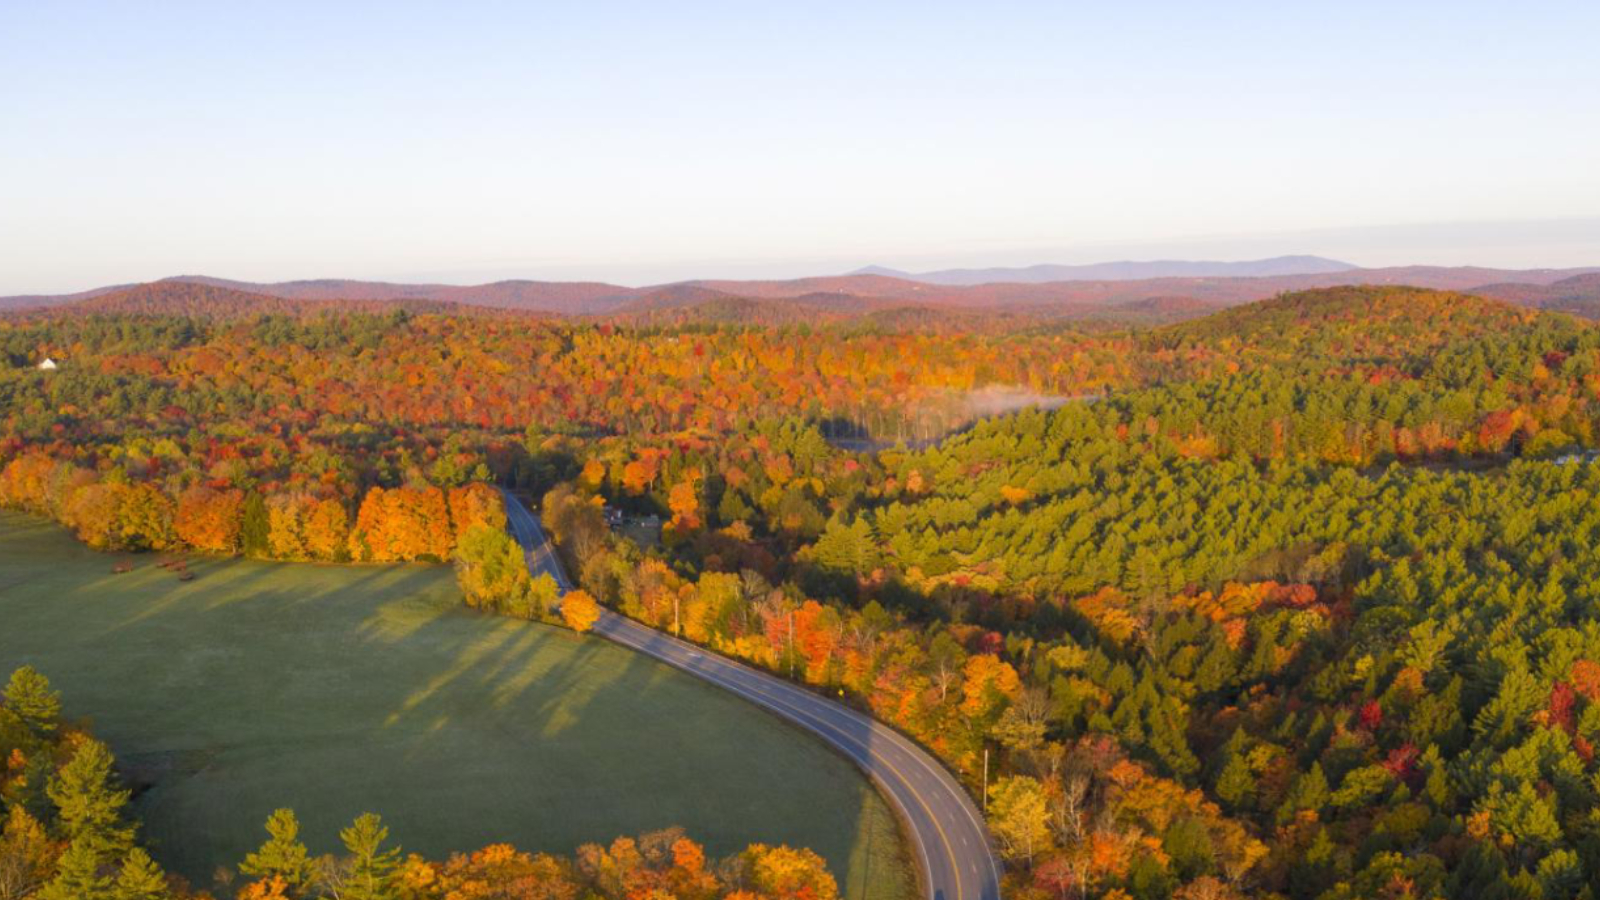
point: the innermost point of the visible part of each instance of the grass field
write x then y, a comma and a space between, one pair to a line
338, 690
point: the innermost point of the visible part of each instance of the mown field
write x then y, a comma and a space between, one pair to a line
337, 690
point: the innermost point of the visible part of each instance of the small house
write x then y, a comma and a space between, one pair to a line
48, 365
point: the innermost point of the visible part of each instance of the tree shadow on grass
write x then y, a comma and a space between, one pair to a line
557, 698
275, 672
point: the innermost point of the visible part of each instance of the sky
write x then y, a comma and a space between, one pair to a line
641, 142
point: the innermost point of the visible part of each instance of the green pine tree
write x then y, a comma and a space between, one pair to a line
1216, 670
140, 878
371, 867
30, 789
254, 526
29, 696
78, 876
89, 804
1310, 790
1166, 738
283, 853
1236, 784
1437, 787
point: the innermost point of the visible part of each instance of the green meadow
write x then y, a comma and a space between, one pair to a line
337, 690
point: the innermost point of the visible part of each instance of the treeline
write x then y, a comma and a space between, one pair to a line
65, 834
310, 374
330, 405
111, 511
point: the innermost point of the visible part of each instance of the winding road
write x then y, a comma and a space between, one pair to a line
952, 846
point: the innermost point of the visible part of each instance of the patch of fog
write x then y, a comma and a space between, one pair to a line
999, 399
941, 417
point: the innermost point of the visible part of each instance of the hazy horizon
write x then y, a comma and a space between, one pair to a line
636, 144
1560, 244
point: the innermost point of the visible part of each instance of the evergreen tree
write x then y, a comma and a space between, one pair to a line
29, 789
1481, 873
88, 803
733, 508
255, 526
1437, 787
140, 878
1236, 784
1310, 791
78, 876
1560, 875
846, 548
1500, 720
1166, 726
29, 696
371, 873
283, 854
1189, 845
1216, 669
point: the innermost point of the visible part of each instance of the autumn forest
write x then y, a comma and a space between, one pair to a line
1294, 600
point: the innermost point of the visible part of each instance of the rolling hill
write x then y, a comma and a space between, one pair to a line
1378, 325
1579, 294
1139, 300
544, 296
195, 299
1126, 270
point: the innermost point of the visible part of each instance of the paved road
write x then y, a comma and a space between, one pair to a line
541, 554
952, 845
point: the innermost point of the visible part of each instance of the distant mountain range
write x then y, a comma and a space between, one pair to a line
870, 295
1124, 271
1579, 294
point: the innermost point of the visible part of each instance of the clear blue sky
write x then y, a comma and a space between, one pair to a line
649, 141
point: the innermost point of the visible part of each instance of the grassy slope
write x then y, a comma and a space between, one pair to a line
337, 690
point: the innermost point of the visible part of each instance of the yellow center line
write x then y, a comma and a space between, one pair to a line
762, 693
798, 711
917, 756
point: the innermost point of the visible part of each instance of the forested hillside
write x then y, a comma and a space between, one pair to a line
1383, 674
1294, 600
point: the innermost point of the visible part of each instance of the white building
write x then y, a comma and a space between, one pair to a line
49, 365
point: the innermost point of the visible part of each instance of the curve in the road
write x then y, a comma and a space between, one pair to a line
952, 842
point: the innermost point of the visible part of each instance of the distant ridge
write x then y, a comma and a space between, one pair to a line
196, 298
1579, 294
868, 294
566, 297
1126, 270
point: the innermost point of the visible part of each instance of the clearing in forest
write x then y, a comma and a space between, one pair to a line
337, 690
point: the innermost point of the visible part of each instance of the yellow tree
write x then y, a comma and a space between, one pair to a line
785, 873
286, 526
493, 572
1020, 817
988, 684
594, 474
684, 501
579, 611
209, 520
475, 504
274, 888
327, 530
26, 855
